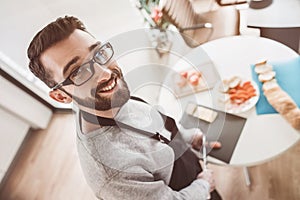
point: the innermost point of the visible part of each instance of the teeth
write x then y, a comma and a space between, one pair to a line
111, 86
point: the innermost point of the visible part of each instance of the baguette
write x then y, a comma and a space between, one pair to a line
294, 118
281, 102
270, 84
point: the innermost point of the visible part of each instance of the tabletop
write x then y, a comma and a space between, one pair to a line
263, 136
280, 14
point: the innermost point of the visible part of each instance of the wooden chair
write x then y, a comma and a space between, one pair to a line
198, 28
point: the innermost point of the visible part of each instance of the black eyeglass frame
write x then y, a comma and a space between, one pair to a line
91, 63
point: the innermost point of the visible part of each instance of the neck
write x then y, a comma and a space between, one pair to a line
87, 126
111, 113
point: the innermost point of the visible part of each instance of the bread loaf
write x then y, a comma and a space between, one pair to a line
294, 118
281, 102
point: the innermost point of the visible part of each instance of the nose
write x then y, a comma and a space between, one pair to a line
102, 72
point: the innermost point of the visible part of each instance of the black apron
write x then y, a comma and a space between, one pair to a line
186, 165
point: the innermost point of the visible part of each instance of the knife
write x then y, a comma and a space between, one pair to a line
204, 151
204, 155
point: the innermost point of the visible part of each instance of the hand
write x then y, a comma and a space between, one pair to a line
208, 176
197, 142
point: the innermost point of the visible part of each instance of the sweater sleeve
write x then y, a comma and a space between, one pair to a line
143, 186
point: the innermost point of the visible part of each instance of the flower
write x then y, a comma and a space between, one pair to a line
152, 13
156, 15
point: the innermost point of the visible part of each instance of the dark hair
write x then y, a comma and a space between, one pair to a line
54, 32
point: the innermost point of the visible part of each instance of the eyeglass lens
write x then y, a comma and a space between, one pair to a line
103, 54
82, 74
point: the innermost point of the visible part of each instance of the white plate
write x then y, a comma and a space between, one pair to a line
221, 103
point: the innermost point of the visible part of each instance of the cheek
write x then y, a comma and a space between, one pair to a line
82, 91
114, 66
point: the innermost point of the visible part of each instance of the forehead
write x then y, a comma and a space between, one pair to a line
58, 55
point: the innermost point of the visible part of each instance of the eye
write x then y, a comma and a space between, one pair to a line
75, 73
103, 54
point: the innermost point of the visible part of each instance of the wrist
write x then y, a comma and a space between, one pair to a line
197, 141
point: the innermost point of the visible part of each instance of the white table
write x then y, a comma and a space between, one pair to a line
263, 136
279, 21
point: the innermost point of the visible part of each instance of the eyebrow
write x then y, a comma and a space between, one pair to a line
70, 63
93, 46
76, 58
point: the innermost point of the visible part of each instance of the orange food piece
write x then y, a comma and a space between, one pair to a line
252, 95
194, 80
184, 74
246, 87
232, 91
242, 92
192, 76
246, 83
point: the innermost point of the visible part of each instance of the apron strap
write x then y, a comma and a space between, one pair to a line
169, 124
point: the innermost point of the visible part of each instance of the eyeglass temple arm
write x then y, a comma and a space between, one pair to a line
231, 3
196, 26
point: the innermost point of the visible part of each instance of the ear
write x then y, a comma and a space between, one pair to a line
60, 96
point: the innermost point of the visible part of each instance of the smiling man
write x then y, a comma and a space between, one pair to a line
122, 155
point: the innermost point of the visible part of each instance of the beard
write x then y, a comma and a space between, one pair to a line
102, 102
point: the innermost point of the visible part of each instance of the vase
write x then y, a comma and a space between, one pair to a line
161, 40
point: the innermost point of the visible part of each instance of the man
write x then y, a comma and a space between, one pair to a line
122, 155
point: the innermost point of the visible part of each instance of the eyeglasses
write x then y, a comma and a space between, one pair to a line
84, 72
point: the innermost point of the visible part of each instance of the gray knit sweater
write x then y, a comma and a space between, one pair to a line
122, 164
